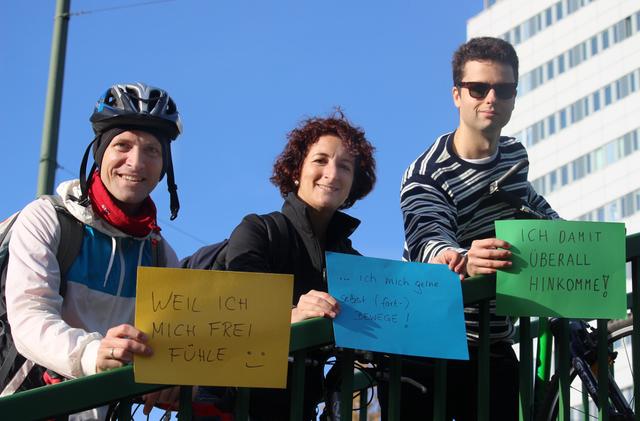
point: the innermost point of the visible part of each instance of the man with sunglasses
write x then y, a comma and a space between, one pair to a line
448, 218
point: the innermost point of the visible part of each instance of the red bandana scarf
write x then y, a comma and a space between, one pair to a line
103, 204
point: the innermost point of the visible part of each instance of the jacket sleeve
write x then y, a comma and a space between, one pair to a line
248, 248
33, 301
429, 219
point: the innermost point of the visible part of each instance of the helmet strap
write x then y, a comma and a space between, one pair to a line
84, 193
174, 203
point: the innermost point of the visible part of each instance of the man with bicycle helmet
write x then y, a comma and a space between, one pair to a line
79, 322
449, 215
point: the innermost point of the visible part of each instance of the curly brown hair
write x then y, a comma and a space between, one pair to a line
288, 164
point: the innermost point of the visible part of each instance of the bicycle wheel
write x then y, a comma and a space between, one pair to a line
620, 339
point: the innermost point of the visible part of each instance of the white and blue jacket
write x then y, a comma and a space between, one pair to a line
64, 335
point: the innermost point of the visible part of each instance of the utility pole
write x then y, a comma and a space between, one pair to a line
50, 131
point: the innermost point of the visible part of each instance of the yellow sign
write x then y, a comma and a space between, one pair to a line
214, 328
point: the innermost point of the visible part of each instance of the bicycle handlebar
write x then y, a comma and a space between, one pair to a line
511, 199
495, 185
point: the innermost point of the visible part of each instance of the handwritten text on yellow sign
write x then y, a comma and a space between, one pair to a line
214, 328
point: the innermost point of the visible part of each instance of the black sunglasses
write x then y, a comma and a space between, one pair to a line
479, 90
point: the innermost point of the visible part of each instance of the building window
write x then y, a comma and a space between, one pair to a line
572, 6
622, 30
559, 11
550, 74
594, 45
611, 153
612, 211
578, 169
605, 39
578, 110
561, 64
596, 101
553, 180
622, 87
599, 161
607, 95
551, 124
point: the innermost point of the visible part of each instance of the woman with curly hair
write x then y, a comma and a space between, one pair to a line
326, 166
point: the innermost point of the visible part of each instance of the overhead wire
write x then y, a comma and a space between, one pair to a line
109, 9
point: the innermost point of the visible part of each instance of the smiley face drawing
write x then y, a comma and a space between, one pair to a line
253, 359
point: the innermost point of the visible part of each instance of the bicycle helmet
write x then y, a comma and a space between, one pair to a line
134, 106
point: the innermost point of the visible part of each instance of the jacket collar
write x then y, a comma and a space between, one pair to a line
340, 227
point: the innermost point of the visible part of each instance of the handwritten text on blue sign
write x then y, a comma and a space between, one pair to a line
397, 307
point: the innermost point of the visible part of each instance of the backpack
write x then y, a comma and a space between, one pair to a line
213, 256
14, 368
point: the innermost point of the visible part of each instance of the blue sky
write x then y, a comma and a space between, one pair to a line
243, 73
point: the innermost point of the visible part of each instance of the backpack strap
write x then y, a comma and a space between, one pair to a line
279, 236
71, 233
158, 255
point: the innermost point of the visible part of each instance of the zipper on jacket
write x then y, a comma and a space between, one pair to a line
122, 267
113, 253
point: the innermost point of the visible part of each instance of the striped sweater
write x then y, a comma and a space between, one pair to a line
445, 205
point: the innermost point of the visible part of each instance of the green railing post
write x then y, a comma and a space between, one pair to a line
483, 363
585, 403
563, 366
603, 370
526, 369
124, 409
346, 384
297, 384
186, 410
241, 408
440, 391
364, 399
395, 371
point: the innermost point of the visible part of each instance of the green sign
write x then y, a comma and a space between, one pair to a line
563, 269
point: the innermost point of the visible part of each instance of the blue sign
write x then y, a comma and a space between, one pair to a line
397, 307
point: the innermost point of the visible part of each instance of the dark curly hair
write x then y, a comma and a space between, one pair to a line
483, 49
288, 164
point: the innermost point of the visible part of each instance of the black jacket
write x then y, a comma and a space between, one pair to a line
250, 249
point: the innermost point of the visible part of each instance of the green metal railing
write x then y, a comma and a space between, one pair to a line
118, 385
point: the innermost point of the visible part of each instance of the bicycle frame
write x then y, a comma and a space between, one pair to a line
582, 351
